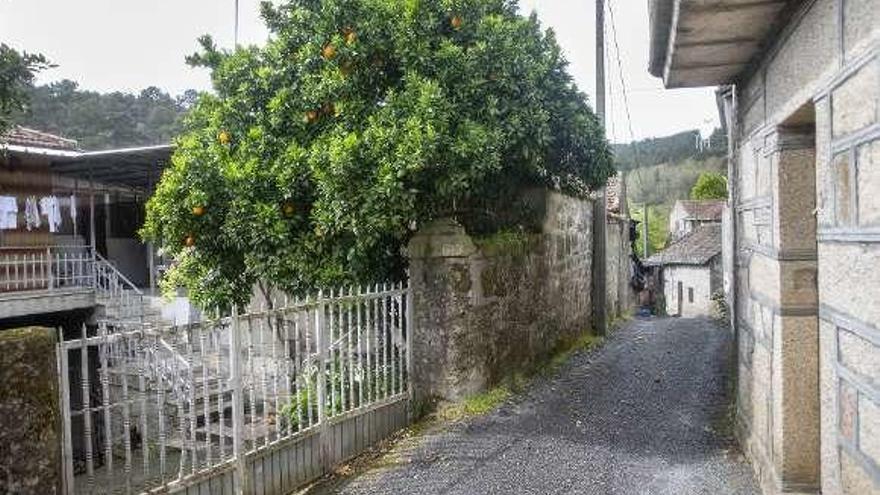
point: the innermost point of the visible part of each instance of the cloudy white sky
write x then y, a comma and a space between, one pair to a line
111, 45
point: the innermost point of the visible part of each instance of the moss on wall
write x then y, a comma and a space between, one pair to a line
29, 433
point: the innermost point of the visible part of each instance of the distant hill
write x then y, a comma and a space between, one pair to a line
101, 121
669, 149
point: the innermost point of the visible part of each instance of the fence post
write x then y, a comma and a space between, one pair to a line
50, 282
67, 486
242, 475
322, 343
410, 326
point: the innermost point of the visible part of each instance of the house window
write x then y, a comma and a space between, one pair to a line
690, 294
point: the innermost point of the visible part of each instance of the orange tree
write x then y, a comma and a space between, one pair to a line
318, 154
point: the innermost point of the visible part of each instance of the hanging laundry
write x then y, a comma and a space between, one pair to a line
31, 213
73, 207
50, 208
8, 213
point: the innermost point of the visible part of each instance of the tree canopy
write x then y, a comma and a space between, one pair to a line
17, 73
322, 151
710, 185
101, 121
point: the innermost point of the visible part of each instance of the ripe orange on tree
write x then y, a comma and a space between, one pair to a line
350, 35
190, 241
224, 137
456, 22
329, 51
198, 210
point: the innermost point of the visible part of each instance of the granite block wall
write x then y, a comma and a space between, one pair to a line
485, 308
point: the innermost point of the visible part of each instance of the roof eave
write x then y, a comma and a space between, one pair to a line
31, 150
660, 21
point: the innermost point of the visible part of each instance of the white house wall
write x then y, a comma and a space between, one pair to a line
696, 278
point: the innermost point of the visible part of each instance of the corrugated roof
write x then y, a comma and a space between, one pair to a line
22, 136
705, 209
696, 248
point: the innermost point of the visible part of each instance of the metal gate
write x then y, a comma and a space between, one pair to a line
253, 403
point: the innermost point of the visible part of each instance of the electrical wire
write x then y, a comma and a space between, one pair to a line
623, 89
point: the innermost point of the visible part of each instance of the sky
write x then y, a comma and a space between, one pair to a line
127, 45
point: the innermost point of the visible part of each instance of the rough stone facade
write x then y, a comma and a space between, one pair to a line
806, 250
29, 422
619, 293
484, 308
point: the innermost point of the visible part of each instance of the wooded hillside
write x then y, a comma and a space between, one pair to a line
106, 120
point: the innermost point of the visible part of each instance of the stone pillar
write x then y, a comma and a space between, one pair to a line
30, 438
795, 351
440, 256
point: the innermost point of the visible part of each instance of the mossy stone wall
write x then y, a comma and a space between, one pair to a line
29, 412
489, 307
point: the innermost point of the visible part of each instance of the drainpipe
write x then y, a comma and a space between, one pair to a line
728, 107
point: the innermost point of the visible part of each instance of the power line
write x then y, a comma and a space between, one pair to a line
623, 89
620, 71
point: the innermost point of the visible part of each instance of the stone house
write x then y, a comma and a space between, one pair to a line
688, 214
690, 271
800, 100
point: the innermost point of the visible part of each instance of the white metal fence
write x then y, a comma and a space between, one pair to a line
253, 403
45, 268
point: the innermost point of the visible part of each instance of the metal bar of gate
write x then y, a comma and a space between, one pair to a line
66, 435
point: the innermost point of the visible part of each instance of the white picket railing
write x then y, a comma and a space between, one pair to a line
171, 408
122, 299
55, 268
45, 268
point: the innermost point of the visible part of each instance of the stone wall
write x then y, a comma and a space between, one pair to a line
619, 293
485, 308
29, 422
807, 237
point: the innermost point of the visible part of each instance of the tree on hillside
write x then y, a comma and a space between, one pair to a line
113, 120
17, 72
361, 119
710, 185
668, 149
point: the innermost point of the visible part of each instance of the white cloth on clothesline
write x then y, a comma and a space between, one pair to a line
50, 208
73, 207
31, 213
8, 212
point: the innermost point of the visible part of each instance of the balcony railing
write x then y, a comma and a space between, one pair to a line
46, 268
26, 270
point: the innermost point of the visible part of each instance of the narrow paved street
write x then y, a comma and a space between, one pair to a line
645, 414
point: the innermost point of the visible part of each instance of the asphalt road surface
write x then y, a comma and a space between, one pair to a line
647, 413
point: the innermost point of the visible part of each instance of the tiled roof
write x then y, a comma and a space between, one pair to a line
696, 248
22, 136
706, 209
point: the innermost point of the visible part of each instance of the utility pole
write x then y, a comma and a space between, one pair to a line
235, 35
599, 296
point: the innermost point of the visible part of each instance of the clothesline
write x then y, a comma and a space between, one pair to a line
34, 210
